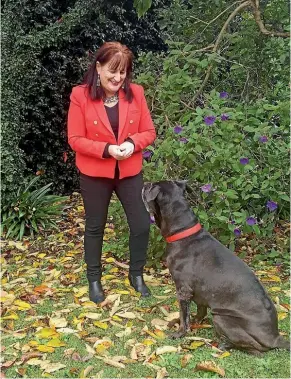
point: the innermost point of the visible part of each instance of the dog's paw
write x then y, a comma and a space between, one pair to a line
172, 323
178, 334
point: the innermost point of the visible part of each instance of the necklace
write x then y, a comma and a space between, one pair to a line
111, 99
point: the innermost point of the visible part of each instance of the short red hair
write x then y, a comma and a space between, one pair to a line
119, 56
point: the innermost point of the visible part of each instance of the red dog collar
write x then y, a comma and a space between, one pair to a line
185, 233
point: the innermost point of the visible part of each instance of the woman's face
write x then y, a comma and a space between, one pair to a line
111, 80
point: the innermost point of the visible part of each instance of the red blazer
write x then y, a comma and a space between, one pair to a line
89, 131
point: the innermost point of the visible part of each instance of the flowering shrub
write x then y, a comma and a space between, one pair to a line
234, 155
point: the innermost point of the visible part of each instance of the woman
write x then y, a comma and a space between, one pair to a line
109, 124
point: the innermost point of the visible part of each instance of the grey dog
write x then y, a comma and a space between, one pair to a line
206, 272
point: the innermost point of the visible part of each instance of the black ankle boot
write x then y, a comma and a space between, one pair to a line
96, 293
139, 285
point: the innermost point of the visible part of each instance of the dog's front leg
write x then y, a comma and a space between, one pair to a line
184, 319
201, 313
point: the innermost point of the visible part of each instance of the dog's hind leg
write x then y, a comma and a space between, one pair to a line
201, 313
184, 319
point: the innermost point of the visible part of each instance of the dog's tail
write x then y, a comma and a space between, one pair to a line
281, 343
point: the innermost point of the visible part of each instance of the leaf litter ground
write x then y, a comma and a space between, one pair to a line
51, 329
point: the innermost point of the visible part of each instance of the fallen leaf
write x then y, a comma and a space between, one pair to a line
162, 373
185, 360
113, 363
8, 364
166, 349
27, 356
52, 367
223, 355
45, 348
124, 333
129, 315
86, 371
46, 333
11, 316
210, 366
133, 353
58, 322
22, 305
101, 325
91, 316
282, 315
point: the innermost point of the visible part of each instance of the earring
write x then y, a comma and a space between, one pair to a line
98, 81
123, 85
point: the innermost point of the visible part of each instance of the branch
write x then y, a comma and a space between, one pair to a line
258, 19
230, 18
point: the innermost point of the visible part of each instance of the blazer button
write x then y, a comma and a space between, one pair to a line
96, 135
131, 121
129, 134
95, 122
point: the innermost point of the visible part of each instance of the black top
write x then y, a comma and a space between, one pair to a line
112, 113
113, 117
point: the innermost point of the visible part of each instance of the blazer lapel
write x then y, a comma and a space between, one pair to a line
101, 111
123, 109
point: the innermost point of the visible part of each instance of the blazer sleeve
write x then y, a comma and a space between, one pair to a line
146, 131
77, 128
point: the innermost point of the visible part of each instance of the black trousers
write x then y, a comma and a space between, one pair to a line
96, 193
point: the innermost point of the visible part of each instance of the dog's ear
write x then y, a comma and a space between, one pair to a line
153, 193
182, 184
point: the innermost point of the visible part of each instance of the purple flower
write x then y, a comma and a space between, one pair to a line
263, 139
232, 222
237, 232
206, 188
209, 120
223, 95
244, 161
251, 221
183, 140
224, 117
178, 129
271, 205
152, 219
147, 154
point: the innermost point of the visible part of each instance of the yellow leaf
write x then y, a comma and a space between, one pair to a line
274, 289
33, 343
271, 278
46, 333
114, 269
129, 324
55, 342
41, 255
196, 344
110, 260
101, 325
225, 354
11, 316
22, 305
148, 342
122, 292
116, 318
89, 304
281, 315
108, 277
45, 349
80, 292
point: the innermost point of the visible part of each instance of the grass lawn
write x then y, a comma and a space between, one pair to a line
51, 329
